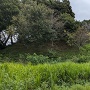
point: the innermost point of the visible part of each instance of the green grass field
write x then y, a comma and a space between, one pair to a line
60, 76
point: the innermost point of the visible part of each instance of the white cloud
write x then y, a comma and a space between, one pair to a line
81, 9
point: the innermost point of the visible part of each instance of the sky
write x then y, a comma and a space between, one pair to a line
81, 8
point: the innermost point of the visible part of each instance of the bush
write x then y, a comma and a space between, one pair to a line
86, 48
80, 59
36, 59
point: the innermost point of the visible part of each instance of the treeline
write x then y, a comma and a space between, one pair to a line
40, 21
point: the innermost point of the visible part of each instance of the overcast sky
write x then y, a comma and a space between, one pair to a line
81, 8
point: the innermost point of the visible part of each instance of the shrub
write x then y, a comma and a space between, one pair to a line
80, 58
36, 59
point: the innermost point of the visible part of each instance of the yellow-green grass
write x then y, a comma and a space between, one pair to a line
15, 76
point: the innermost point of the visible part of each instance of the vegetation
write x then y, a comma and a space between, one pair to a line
44, 55
47, 76
42, 46
37, 21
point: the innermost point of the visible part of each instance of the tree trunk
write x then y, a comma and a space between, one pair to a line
6, 40
11, 40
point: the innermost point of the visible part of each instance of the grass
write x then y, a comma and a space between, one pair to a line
54, 70
74, 87
16, 76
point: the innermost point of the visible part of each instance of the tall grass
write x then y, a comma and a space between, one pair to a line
15, 76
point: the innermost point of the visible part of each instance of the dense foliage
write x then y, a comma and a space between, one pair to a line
36, 21
8, 9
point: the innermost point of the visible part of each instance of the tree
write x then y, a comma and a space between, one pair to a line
70, 24
8, 9
38, 23
34, 22
67, 8
60, 7
79, 38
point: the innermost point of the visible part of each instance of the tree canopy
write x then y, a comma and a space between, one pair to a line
36, 21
